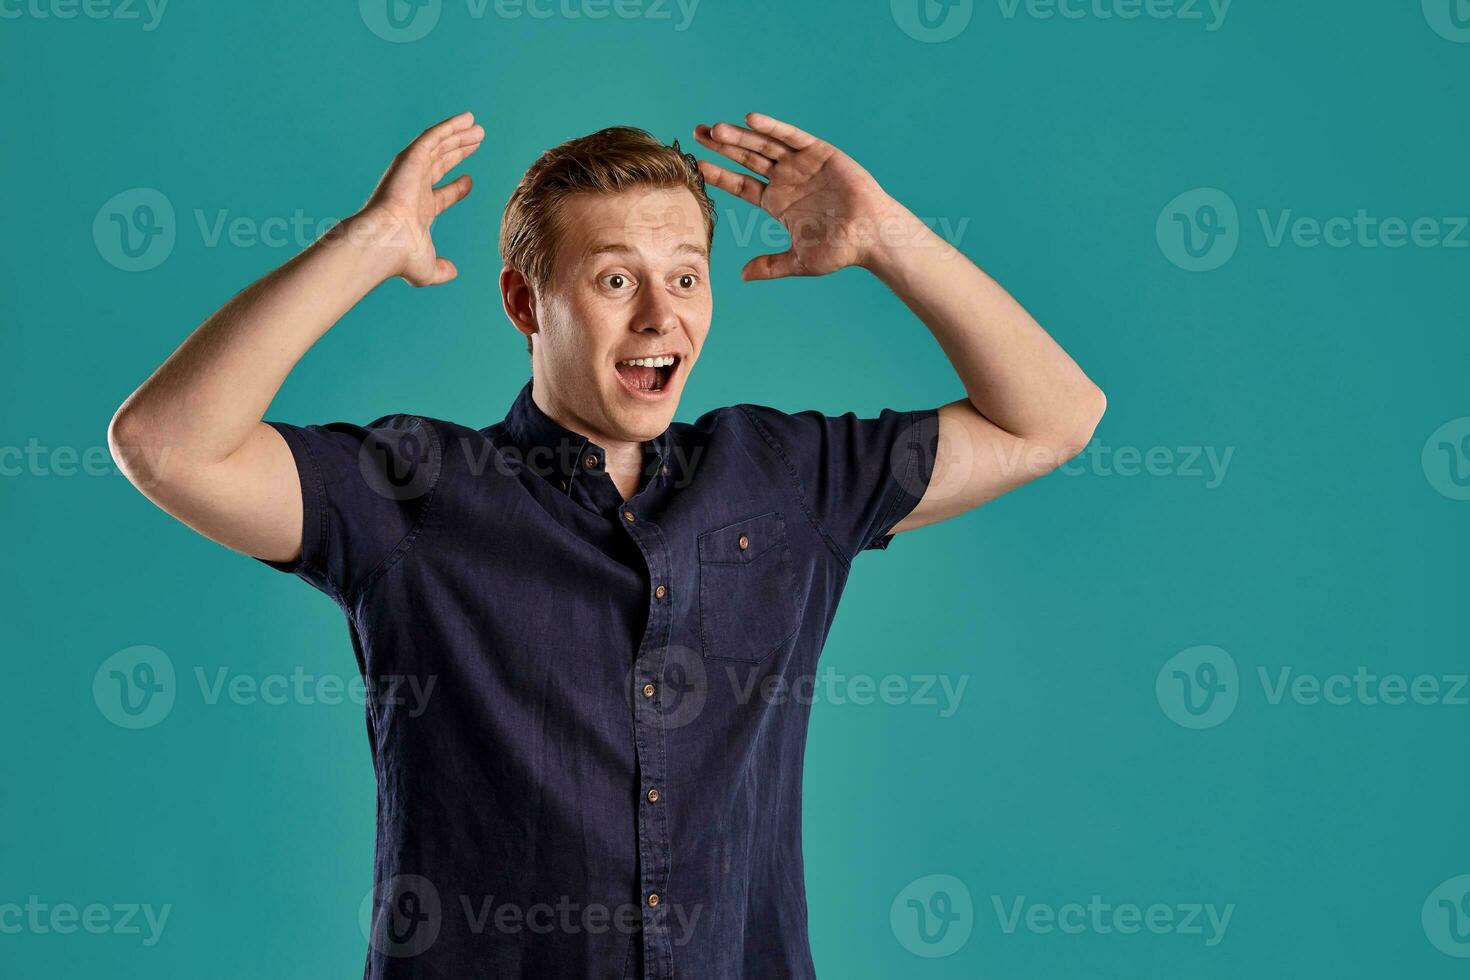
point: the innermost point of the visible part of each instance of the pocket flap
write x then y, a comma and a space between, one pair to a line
744, 541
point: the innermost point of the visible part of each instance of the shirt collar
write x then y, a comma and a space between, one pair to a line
561, 455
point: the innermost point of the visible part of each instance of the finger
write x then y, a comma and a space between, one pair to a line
797, 139
430, 137
749, 159
451, 193
463, 137
444, 270
748, 189
450, 160
740, 136
772, 267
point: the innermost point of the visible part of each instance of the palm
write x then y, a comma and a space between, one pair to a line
826, 201
407, 202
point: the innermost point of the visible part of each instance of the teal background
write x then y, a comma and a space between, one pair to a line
1056, 142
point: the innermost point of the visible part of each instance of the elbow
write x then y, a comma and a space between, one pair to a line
1085, 419
120, 436
1096, 406
128, 442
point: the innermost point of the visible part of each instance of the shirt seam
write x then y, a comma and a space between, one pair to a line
796, 483
405, 544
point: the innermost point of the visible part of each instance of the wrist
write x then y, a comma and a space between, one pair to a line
897, 231
379, 240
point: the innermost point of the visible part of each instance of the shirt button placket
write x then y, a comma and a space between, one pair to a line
653, 835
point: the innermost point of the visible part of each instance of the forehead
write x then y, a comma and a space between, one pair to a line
653, 223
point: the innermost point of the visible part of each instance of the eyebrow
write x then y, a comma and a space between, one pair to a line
622, 249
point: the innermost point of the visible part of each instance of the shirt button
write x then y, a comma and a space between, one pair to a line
590, 460
661, 591
563, 484
648, 690
664, 470
744, 542
653, 796
653, 900
628, 515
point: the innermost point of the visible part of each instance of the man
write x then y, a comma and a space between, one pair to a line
597, 598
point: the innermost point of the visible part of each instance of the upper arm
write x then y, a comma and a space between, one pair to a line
330, 503
250, 501
977, 461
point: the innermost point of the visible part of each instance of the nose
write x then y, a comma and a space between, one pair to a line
655, 313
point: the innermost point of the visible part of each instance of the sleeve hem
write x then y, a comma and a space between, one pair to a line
313, 526
920, 453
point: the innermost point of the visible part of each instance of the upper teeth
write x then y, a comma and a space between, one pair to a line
650, 361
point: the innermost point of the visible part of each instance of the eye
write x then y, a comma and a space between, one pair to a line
616, 279
688, 280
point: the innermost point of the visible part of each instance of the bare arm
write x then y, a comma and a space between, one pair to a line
1029, 406
191, 439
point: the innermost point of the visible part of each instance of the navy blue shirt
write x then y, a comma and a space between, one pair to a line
580, 710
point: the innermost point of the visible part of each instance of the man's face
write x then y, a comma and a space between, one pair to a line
631, 280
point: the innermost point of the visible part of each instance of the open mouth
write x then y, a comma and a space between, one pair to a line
648, 375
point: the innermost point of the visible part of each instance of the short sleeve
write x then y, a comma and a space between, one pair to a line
365, 491
859, 476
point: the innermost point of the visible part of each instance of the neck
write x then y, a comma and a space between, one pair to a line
625, 466
624, 459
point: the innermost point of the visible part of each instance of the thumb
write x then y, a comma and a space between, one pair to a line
444, 270
774, 266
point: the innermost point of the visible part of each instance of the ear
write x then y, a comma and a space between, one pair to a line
519, 300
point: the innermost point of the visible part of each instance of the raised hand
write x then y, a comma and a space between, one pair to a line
832, 208
405, 203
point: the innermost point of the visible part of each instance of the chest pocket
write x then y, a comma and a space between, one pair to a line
747, 592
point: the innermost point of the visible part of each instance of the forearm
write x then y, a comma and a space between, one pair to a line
1014, 373
206, 398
